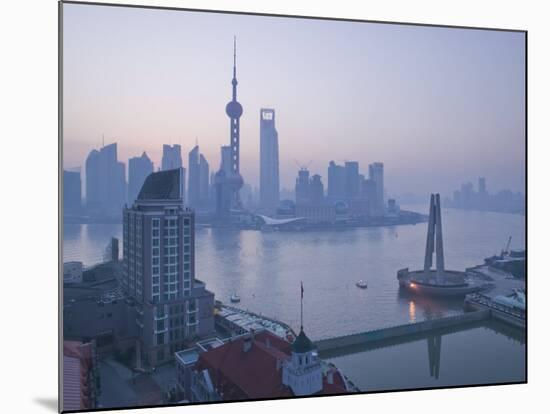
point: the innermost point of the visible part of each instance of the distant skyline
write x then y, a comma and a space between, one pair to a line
437, 106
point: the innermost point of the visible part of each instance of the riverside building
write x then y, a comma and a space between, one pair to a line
170, 306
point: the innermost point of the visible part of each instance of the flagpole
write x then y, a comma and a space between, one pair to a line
301, 306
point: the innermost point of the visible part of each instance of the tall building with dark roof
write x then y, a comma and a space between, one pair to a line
170, 306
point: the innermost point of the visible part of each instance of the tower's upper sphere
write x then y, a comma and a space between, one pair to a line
234, 109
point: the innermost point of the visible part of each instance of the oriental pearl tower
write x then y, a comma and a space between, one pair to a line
228, 179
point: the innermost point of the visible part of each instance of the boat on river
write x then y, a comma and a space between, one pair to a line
361, 284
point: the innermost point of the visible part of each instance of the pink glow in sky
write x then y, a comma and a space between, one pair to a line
438, 106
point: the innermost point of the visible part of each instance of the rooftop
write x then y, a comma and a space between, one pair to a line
249, 321
209, 344
72, 386
302, 343
161, 185
255, 371
188, 356
191, 355
77, 362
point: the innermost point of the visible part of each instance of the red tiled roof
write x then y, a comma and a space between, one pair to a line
77, 349
237, 374
77, 361
338, 385
252, 374
72, 391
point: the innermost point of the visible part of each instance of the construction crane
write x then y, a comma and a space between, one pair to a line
506, 250
303, 166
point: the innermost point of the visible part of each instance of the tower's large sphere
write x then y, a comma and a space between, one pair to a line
235, 181
234, 109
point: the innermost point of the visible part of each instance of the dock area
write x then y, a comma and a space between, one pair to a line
499, 311
502, 298
502, 282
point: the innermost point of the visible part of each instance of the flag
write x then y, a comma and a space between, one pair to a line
302, 289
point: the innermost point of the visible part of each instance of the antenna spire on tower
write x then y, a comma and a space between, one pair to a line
234, 56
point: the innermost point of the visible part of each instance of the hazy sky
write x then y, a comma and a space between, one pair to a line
438, 106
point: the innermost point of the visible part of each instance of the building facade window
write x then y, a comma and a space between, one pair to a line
155, 260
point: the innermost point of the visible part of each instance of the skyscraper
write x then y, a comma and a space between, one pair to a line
316, 190
230, 182
171, 157
376, 174
105, 182
138, 170
269, 161
93, 197
368, 192
482, 194
222, 184
467, 195
204, 181
212, 197
71, 192
302, 187
352, 179
336, 190
193, 192
169, 306
481, 186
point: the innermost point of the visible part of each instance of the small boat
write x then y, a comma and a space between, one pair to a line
235, 298
361, 284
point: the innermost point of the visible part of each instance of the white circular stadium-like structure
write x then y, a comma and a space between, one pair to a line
276, 222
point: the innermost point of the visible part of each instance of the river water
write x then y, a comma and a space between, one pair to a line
266, 269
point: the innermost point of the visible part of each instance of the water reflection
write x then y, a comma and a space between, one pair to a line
401, 362
412, 311
434, 355
87, 242
430, 307
494, 328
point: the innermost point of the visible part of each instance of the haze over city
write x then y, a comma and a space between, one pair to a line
272, 207
421, 100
